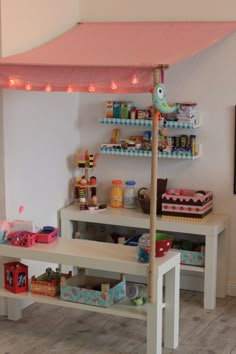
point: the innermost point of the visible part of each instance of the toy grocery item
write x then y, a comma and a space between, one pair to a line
136, 293
16, 277
162, 245
130, 200
85, 183
144, 248
4, 230
116, 194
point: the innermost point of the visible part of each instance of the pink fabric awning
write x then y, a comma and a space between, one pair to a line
99, 53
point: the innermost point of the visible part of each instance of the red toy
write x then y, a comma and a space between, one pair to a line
22, 238
47, 234
16, 277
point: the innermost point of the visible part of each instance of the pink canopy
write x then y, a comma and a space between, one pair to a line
91, 56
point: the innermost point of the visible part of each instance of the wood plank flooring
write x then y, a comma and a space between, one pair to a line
47, 329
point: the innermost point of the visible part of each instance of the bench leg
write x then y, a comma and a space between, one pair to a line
171, 312
154, 320
14, 309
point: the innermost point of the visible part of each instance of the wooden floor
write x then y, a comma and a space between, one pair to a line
47, 329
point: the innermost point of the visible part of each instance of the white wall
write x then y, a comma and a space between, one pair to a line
156, 10
207, 78
40, 131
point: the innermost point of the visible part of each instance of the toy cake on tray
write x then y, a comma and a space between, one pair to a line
186, 203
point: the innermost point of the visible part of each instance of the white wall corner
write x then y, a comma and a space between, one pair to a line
231, 288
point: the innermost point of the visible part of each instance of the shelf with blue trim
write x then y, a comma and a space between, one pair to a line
144, 153
148, 123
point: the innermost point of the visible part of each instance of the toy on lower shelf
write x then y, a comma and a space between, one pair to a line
191, 253
48, 284
136, 293
163, 245
16, 277
91, 290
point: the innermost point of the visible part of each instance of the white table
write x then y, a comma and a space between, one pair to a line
119, 259
213, 227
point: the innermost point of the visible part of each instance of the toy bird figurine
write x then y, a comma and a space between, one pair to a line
159, 100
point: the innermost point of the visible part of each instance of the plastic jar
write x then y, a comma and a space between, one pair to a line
144, 248
116, 194
136, 293
130, 200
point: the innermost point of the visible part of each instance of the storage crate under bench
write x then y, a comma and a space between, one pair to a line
42, 286
191, 258
79, 288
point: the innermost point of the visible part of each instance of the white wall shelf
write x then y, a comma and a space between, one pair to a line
147, 123
144, 153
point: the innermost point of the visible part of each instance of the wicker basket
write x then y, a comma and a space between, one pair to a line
145, 203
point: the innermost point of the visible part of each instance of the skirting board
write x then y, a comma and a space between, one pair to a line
231, 288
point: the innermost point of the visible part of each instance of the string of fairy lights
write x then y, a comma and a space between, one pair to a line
69, 89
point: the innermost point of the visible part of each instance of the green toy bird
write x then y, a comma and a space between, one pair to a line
159, 100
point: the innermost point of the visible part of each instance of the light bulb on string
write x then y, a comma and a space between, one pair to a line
11, 82
69, 89
28, 86
134, 80
48, 88
113, 85
91, 88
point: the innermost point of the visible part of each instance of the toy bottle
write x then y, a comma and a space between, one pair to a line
116, 194
130, 200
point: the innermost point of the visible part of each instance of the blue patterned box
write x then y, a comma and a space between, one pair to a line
191, 258
79, 288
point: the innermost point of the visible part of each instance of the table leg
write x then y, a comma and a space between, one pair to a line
210, 272
222, 263
154, 320
14, 309
171, 312
66, 232
66, 228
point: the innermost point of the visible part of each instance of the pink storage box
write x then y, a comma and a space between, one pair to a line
186, 203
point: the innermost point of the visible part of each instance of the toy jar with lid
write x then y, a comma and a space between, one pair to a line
117, 194
130, 200
144, 248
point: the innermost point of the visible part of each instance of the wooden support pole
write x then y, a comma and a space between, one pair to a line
153, 206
